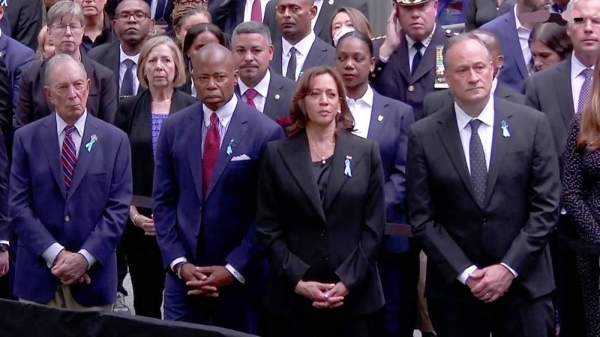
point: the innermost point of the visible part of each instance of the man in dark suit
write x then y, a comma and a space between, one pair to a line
98, 29
25, 18
439, 99
483, 197
321, 23
211, 248
299, 48
228, 14
405, 69
514, 32
560, 92
132, 24
70, 191
5, 228
262, 89
65, 22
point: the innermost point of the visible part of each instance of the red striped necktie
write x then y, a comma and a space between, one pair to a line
68, 156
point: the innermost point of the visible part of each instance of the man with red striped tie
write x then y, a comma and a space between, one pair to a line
69, 196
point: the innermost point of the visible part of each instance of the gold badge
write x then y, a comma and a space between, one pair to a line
411, 88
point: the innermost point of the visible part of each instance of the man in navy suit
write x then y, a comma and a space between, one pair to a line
205, 200
513, 32
70, 191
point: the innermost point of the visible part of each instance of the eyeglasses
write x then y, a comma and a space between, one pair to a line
186, 2
138, 16
75, 27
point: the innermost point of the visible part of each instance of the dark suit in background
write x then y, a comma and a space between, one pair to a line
327, 231
480, 12
511, 226
143, 256
227, 14
6, 106
321, 54
102, 100
25, 18
279, 98
109, 55
18, 58
5, 124
438, 100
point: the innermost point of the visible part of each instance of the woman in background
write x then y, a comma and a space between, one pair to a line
549, 44
347, 19
45, 47
186, 18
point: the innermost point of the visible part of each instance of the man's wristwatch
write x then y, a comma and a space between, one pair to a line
3, 247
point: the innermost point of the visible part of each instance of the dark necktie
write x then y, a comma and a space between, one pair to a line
586, 88
68, 156
250, 96
256, 13
417, 58
212, 146
477, 162
291, 68
127, 85
160, 9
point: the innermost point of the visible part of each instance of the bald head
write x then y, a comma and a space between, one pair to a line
215, 75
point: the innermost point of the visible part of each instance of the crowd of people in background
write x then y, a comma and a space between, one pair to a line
249, 164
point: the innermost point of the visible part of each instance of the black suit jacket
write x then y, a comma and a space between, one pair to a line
25, 18
6, 126
134, 117
279, 96
520, 210
437, 100
6, 108
323, 25
102, 99
227, 14
337, 239
321, 54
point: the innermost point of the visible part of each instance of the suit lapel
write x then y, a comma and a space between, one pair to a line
277, 57
323, 18
502, 91
238, 126
512, 41
297, 160
499, 147
315, 56
194, 145
85, 157
402, 59
270, 102
379, 116
114, 58
52, 151
344, 148
428, 61
563, 90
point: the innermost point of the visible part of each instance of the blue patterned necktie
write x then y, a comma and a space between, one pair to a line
479, 171
586, 88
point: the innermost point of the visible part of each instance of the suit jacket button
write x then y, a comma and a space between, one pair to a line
326, 258
411, 88
67, 218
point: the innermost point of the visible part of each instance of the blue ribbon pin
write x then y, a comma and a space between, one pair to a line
89, 144
230, 148
505, 131
347, 169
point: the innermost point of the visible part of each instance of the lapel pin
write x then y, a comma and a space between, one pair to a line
90, 144
277, 97
230, 148
347, 168
379, 118
505, 131
331, 2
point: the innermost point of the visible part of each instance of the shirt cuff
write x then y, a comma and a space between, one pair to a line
235, 273
384, 59
51, 253
4, 242
464, 276
510, 269
90, 259
176, 262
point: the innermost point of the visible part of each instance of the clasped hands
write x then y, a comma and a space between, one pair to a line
71, 268
491, 283
205, 281
323, 295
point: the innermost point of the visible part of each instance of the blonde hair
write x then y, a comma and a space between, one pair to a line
41, 39
180, 76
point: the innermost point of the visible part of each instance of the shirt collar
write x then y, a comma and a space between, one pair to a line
425, 42
79, 124
577, 67
367, 98
262, 87
302, 47
494, 85
486, 116
135, 58
224, 113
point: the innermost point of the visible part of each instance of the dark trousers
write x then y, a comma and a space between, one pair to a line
507, 317
146, 270
121, 268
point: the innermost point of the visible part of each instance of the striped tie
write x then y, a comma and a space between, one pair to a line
67, 156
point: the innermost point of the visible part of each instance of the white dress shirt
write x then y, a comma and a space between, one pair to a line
523, 34
262, 88
224, 115
494, 85
486, 133
413, 51
313, 22
362, 109
302, 49
248, 9
123, 69
577, 80
52, 252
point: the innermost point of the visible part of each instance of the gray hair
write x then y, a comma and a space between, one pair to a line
461, 38
58, 60
62, 9
251, 27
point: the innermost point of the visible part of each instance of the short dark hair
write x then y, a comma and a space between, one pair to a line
461, 38
252, 27
553, 36
359, 35
198, 29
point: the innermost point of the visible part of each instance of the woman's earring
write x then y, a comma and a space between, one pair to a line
339, 111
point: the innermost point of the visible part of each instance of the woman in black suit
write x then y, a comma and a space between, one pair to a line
321, 217
481, 12
160, 70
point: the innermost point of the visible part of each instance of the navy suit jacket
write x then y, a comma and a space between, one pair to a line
224, 220
91, 216
390, 122
279, 96
514, 71
17, 58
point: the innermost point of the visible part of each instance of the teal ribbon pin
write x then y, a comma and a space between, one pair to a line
505, 131
230, 148
347, 164
90, 144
